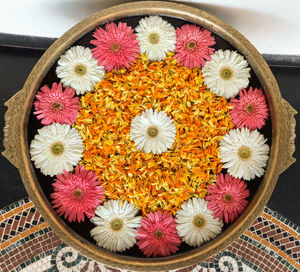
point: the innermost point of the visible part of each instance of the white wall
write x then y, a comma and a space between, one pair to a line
273, 26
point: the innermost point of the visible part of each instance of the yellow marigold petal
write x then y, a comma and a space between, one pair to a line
151, 181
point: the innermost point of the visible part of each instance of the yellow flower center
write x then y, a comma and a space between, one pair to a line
80, 69
116, 224
152, 131
244, 152
153, 38
199, 221
57, 149
115, 47
226, 73
78, 193
191, 45
249, 108
57, 106
158, 234
227, 198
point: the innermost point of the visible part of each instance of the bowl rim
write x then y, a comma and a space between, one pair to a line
192, 15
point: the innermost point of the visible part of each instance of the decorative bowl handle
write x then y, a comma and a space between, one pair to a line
12, 130
287, 136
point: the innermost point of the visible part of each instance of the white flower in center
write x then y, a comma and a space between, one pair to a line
153, 131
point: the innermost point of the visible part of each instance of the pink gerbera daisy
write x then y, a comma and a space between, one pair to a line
158, 235
116, 46
77, 194
251, 110
192, 45
56, 106
227, 199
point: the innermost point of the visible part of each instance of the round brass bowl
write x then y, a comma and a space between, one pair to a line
282, 147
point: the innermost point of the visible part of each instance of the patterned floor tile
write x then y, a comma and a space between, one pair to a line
28, 244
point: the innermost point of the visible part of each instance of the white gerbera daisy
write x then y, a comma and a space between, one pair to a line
153, 131
77, 69
244, 153
226, 73
115, 225
56, 148
156, 37
195, 222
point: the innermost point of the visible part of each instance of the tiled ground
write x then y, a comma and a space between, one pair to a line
27, 243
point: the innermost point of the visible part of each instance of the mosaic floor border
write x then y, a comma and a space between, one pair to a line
27, 243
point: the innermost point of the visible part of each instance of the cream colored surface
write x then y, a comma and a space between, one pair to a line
273, 26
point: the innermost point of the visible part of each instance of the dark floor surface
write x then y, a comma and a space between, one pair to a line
15, 66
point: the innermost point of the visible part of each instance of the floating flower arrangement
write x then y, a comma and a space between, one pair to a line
152, 135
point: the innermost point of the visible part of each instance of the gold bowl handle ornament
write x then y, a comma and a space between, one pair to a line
12, 128
287, 136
